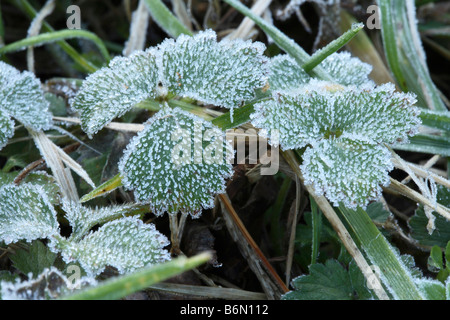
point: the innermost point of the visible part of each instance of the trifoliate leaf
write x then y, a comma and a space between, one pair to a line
126, 244
336, 168
26, 213
6, 128
418, 223
177, 163
329, 281
322, 109
34, 259
222, 73
82, 218
50, 284
347, 70
21, 97
112, 91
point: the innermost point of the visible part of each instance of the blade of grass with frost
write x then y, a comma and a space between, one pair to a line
122, 286
283, 41
165, 19
394, 274
405, 53
427, 143
436, 119
49, 37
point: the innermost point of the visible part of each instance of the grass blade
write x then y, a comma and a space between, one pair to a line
120, 287
393, 272
425, 143
165, 19
50, 37
405, 54
103, 189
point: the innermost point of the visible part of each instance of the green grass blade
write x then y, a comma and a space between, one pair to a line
332, 47
103, 189
404, 52
316, 217
283, 41
425, 143
28, 9
165, 19
395, 275
50, 37
436, 119
122, 286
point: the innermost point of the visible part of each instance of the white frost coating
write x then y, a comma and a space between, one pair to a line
222, 73
6, 128
172, 181
26, 213
319, 112
21, 97
225, 74
82, 218
112, 91
50, 284
333, 168
126, 244
347, 70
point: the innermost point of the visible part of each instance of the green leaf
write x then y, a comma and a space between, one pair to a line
286, 73
122, 286
6, 128
418, 223
329, 281
225, 73
126, 244
21, 97
34, 259
26, 213
435, 261
377, 212
177, 163
111, 92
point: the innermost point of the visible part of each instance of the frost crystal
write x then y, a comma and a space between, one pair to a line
50, 284
344, 129
112, 91
286, 74
21, 97
225, 73
26, 213
126, 244
222, 73
177, 163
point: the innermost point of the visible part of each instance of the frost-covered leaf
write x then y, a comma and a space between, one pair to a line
286, 74
322, 109
177, 163
126, 244
225, 73
329, 281
26, 213
431, 289
347, 70
418, 223
82, 218
50, 284
21, 97
6, 128
336, 168
34, 259
112, 91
